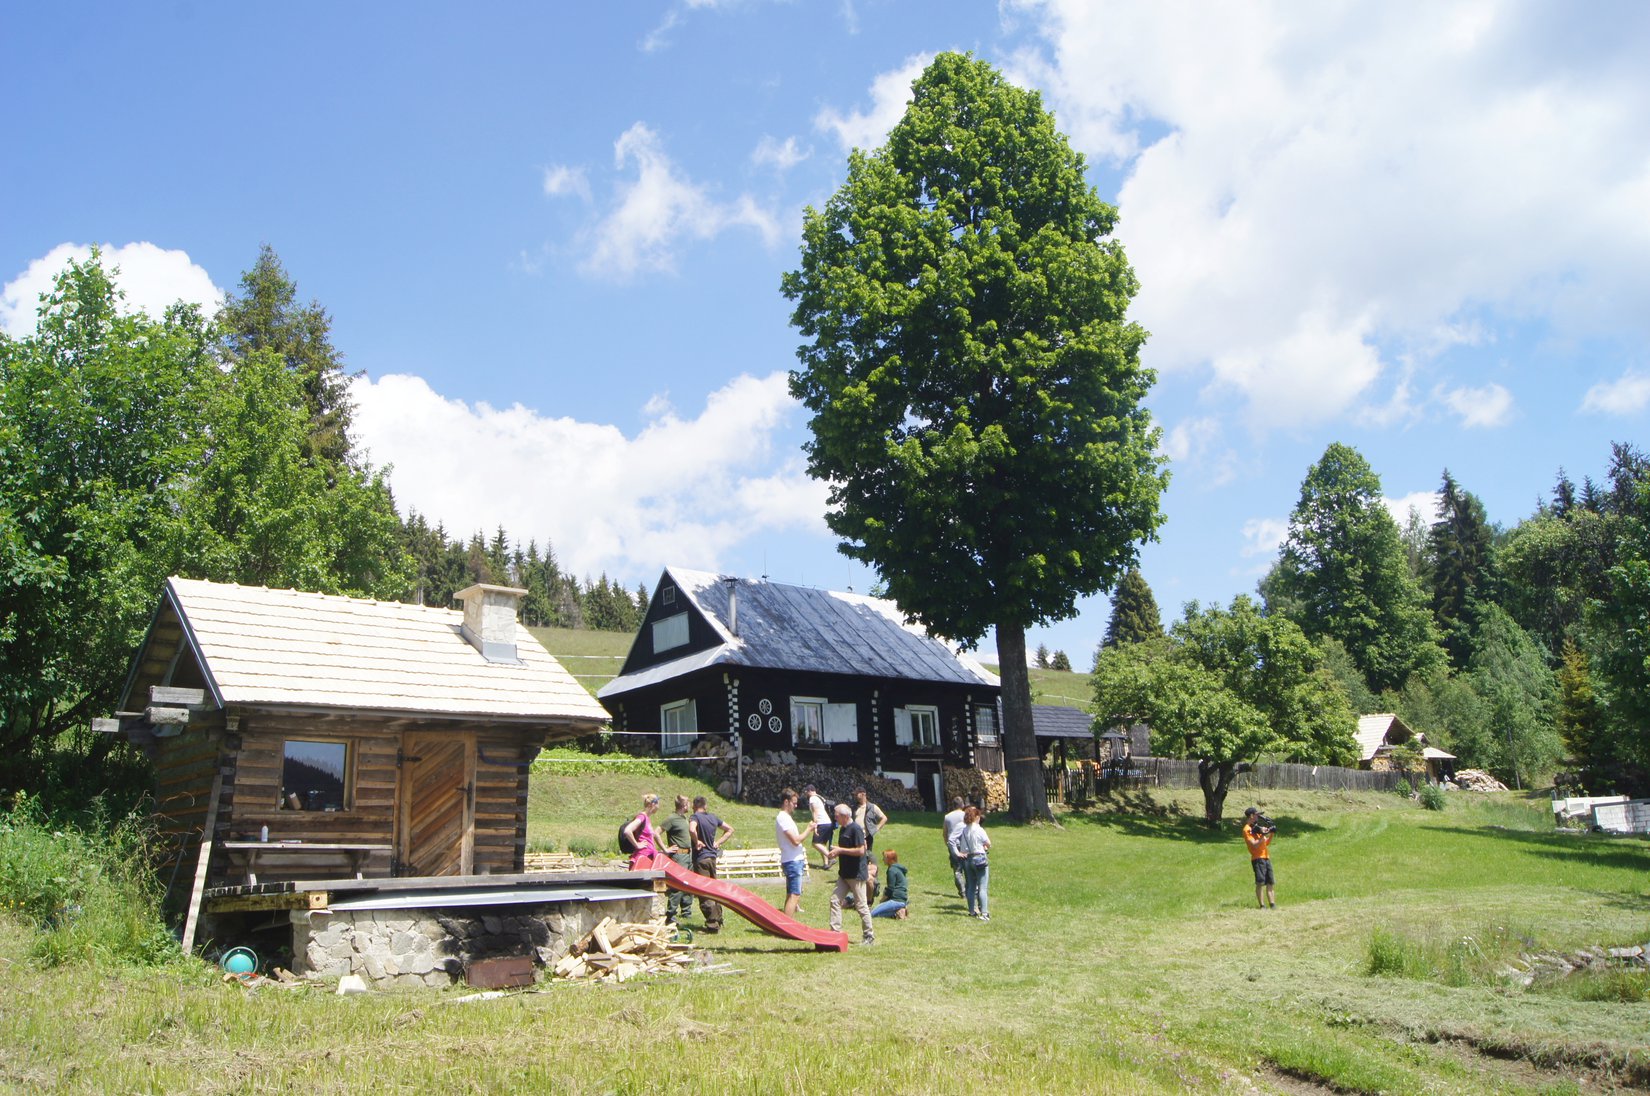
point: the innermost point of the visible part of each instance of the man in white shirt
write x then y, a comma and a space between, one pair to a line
823, 826
793, 850
953, 826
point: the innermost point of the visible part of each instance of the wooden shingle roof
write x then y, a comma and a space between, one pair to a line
259, 647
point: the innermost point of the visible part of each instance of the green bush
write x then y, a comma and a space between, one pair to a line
567, 761
1432, 797
1395, 956
88, 894
584, 846
1404, 788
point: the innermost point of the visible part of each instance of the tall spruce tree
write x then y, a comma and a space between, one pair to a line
1460, 566
1134, 613
975, 386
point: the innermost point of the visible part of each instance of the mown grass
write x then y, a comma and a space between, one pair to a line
1124, 955
593, 658
1061, 688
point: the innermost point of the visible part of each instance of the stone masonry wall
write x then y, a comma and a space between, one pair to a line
433, 947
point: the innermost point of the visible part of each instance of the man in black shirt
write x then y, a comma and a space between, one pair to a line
709, 832
850, 856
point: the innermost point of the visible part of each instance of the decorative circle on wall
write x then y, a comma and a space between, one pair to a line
765, 707
754, 722
775, 725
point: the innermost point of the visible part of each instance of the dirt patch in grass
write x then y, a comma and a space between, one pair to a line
1507, 1067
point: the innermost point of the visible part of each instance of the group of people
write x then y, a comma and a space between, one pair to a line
694, 840
969, 847
844, 837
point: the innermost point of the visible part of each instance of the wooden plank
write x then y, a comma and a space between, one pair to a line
202, 862
295, 900
172, 696
167, 717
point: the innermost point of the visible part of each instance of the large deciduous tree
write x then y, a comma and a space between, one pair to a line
1343, 574
1227, 686
974, 383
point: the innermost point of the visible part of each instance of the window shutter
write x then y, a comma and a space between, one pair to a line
902, 727
842, 723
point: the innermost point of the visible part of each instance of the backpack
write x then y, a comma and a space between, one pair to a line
626, 844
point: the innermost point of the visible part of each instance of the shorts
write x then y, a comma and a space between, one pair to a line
793, 875
1263, 871
822, 834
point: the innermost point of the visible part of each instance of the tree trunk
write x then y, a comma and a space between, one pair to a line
1215, 777
1027, 797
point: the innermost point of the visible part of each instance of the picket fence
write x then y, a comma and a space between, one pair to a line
1176, 773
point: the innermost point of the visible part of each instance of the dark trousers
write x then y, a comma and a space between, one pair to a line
709, 907
678, 904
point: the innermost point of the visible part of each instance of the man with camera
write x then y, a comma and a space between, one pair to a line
1257, 834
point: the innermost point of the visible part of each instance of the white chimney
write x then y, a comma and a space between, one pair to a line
733, 605
490, 619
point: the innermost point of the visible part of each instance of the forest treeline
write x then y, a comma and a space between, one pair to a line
133, 448
1522, 650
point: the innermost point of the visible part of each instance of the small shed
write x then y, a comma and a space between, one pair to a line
1379, 733
307, 736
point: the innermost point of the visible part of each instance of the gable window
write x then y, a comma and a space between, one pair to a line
314, 775
670, 632
985, 724
678, 727
668, 595
808, 720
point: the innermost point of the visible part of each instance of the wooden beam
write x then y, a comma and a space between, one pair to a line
173, 697
106, 726
292, 900
202, 862
166, 716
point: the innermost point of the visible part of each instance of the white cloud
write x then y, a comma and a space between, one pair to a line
1423, 502
153, 279
1312, 191
560, 179
1626, 395
779, 155
1263, 536
1491, 405
890, 92
659, 209
682, 490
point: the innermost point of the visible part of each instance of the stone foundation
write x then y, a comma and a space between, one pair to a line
433, 947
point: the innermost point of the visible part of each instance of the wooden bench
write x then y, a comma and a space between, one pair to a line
570, 861
752, 864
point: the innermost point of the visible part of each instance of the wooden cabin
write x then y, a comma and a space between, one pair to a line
1378, 734
832, 678
308, 736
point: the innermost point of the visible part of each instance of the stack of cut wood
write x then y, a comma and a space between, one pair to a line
616, 951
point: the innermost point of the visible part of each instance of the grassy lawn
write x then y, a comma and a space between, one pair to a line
1123, 955
1061, 688
595, 658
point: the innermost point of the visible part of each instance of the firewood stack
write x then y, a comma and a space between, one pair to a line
617, 951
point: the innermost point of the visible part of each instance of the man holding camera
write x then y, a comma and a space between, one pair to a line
1257, 834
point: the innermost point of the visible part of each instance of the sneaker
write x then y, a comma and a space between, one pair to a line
867, 939
985, 917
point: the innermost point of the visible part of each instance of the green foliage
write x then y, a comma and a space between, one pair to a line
89, 894
1509, 671
1227, 686
1403, 789
1460, 567
1134, 613
1061, 662
1578, 714
571, 761
975, 387
1342, 573
1432, 797
1333, 657
1042, 656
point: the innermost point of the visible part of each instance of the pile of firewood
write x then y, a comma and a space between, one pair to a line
617, 951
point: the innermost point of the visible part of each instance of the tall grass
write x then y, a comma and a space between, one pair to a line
89, 894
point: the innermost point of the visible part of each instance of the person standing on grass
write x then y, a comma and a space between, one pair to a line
793, 850
973, 844
895, 896
709, 833
1259, 841
677, 835
640, 832
953, 824
870, 818
850, 856
822, 824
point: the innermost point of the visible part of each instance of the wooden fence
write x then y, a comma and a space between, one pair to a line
1069, 785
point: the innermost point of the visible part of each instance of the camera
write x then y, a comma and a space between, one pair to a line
1259, 823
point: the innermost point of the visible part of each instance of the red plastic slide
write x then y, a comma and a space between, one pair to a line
746, 905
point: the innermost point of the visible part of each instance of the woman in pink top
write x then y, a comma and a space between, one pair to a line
641, 833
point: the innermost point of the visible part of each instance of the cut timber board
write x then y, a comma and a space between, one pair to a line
295, 900
203, 861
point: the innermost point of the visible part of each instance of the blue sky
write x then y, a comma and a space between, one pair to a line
551, 238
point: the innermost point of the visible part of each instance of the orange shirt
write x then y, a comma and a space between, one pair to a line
1259, 844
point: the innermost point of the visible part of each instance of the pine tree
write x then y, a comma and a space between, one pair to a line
1459, 565
1134, 613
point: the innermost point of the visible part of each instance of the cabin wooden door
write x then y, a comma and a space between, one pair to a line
436, 830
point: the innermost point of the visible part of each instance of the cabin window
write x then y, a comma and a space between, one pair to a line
808, 720
670, 632
668, 595
925, 726
985, 725
314, 775
678, 727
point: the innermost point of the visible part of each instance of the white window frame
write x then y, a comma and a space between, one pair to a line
670, 632
678, 726
914, 713
982, 714
816, 705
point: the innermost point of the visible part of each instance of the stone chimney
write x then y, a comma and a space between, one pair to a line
490, 619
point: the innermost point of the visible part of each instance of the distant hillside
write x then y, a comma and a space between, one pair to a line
1061, 688
593, 657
